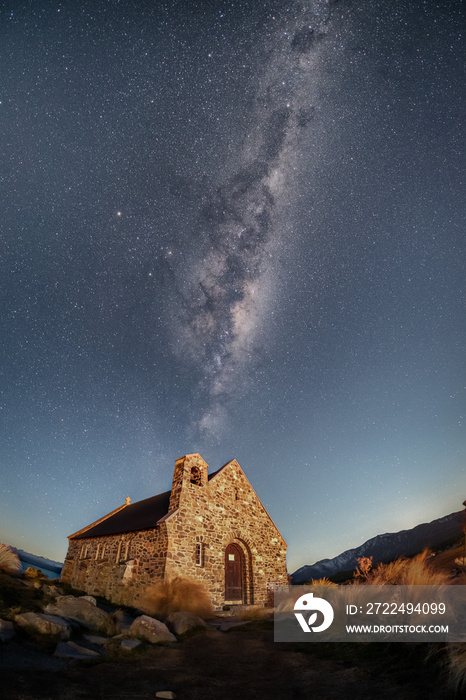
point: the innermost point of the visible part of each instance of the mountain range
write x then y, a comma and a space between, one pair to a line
387, 547
37, 561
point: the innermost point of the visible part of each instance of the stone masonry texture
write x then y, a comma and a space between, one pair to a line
204, 517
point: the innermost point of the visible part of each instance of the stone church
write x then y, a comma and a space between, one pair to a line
210, 527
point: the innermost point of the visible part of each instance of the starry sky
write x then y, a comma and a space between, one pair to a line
238, 229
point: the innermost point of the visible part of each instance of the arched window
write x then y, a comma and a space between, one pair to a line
196, 476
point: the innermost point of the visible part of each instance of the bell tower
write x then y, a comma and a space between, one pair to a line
189, 479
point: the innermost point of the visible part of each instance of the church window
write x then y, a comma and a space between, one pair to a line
97, 551
196, 476
118, 556
200, 554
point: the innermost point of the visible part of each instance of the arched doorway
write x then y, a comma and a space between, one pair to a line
233, 573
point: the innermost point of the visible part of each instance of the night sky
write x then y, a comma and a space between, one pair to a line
236, 229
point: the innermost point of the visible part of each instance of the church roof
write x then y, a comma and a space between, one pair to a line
142, 515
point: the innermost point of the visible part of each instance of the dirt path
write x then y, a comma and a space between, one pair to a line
243, 663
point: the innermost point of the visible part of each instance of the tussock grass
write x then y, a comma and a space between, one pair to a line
417, 571
456, 666
9, 561
322, 582
177, 595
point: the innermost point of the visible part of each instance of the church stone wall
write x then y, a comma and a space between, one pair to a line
214, 514
117, 567
204, 518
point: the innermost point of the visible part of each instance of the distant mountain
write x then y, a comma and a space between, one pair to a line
385, 548
38, 562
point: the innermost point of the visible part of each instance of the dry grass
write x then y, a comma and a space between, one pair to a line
254, 612
9, 561
456, 666
177, 595
421, 570
418, 571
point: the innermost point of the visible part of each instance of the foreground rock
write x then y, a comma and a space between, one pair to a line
52, 591
151, 629
34, 574
6, 630
83, 611
39, 623
182, 622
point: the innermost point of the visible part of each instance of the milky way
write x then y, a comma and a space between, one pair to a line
230, 290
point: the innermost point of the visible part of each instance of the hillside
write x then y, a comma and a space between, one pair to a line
387, 547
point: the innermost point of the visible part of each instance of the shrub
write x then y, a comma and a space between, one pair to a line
363, 568
9, 561
177, 595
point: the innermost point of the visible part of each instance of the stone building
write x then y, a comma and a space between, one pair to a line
210, 527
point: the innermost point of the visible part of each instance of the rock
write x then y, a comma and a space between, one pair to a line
181, 622
168, 694
50, 625
71, 650
151, 629
90, 598
33, 573
130, 644
52, 591
7, 631
82, 611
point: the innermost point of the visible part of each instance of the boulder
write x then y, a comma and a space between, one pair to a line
50, 625
167, 694
33, 573
71, 650
7, 631
151, 629
82, 611
181, 622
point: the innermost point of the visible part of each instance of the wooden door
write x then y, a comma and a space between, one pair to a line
233, 573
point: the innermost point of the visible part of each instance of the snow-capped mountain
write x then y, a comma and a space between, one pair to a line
387, 547
38, 562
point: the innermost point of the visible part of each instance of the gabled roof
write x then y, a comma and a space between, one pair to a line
142, 515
